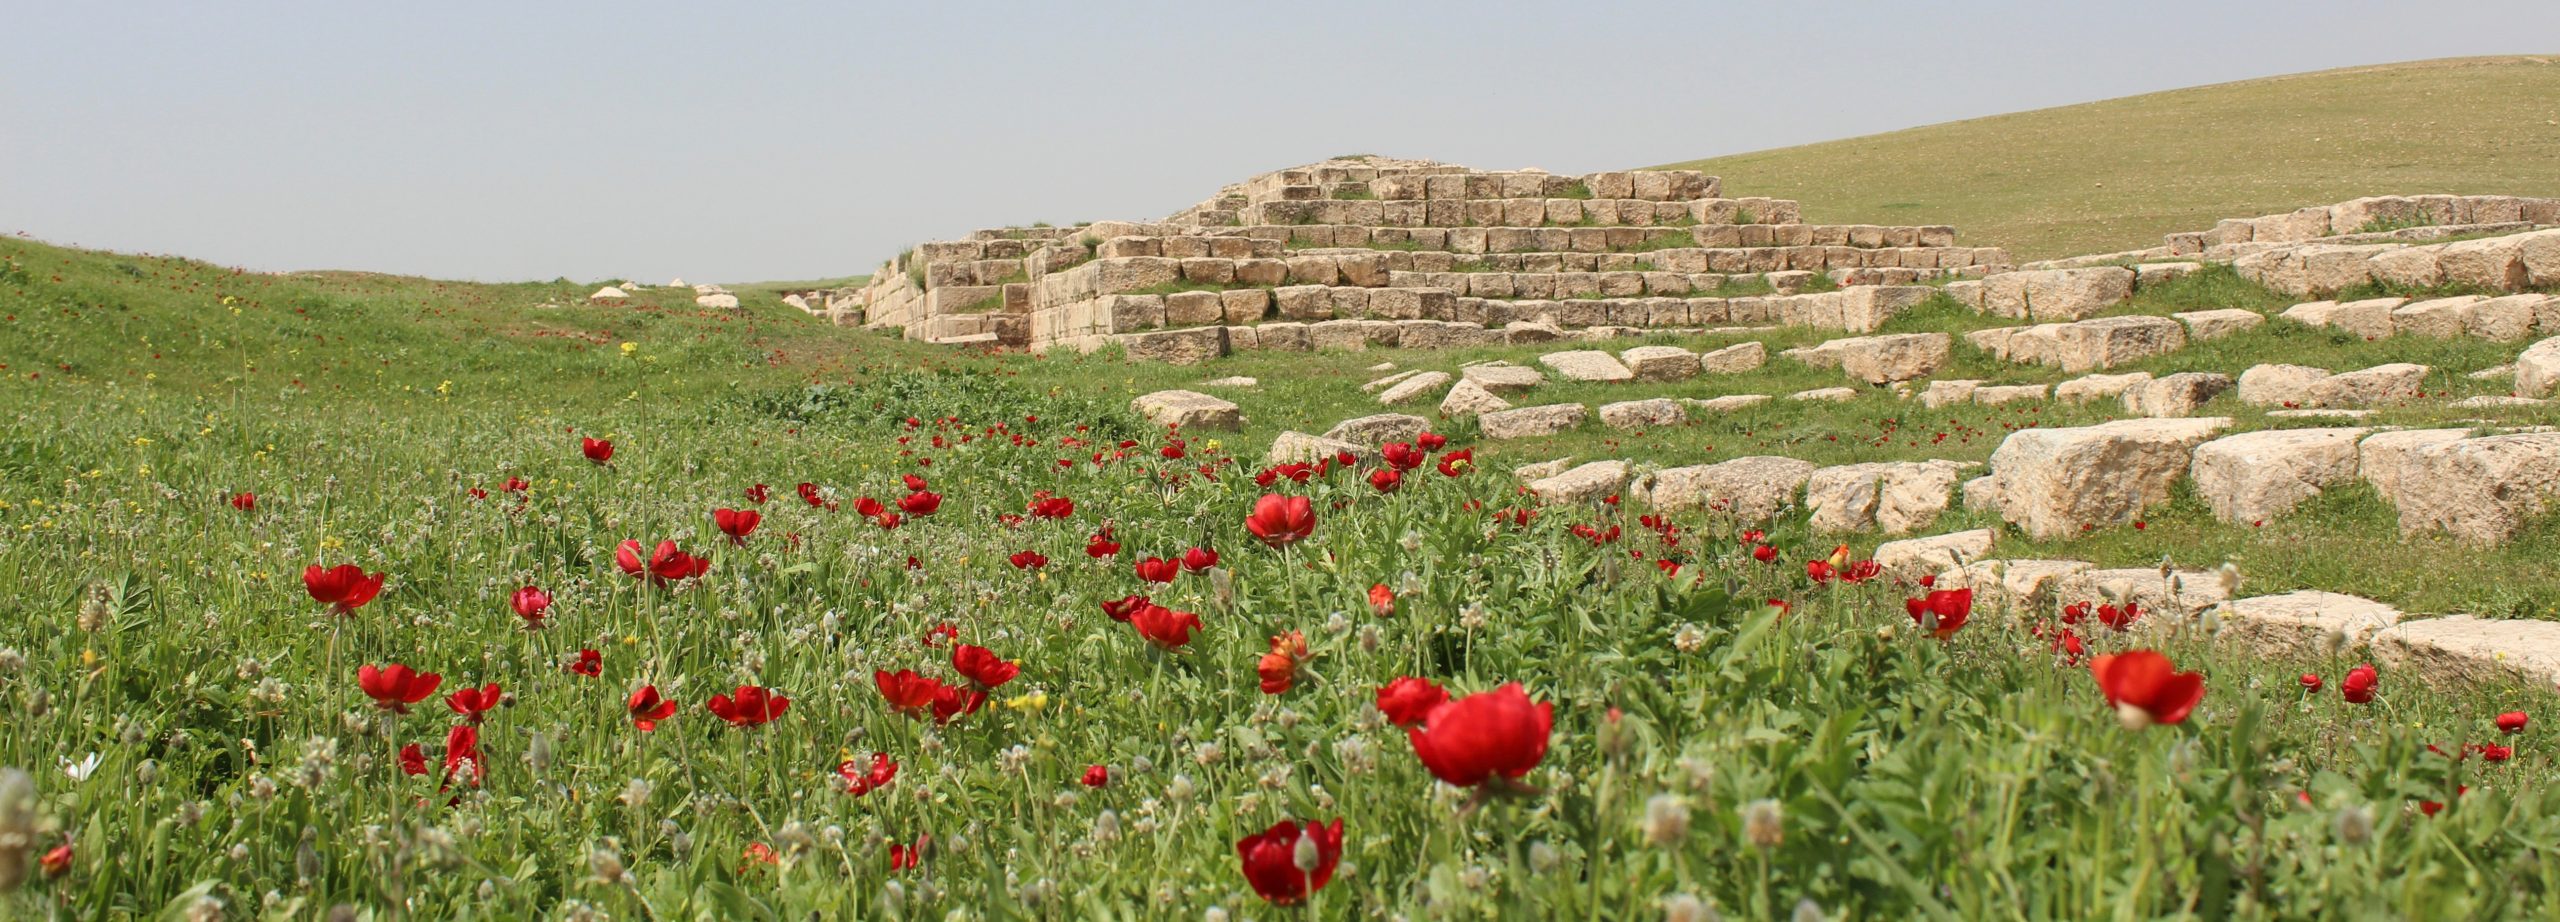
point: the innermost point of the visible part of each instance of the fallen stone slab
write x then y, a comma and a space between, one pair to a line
2497, 401
1643, 414
2174, 395
2255, 476
2538, 369
1880, 359
609, 293
2010, 393
1188, 410
2023, 584
1175, 347
2436, 318
2480, 490
1529, 422
2277, 385
1503, 379
1543, 469
1467, 398
1912, 558
1588, 483
1388, 381
2057, 294
2309, 621
1751, 489
2465, 649
1733, 359
1414, 388
2381, 384
1827, 394
1373, 431
2216, 324
1660, 363
2087, 388
1944, 393
1586, 365
2055, 483
1301, 448
2165, 600
2106, 342
2381, 457
1729, 402
1239, 381
1895, 496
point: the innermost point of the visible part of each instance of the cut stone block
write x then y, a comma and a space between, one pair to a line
1503, 379
2480, 490
2383, 455
1586, 365
1643, 414
2052, 483
1388, 381
2165, 601
1752, 489
2175, 395
1301, 448
1588, 483
2255, 476
1733, 359
1529, 422
1896, 496
1188, 410
2215, 324
1880, 359
2381, 384
1414, 388
1467, 398
1912, 558
1724, 404
2279, 385
2463, 650
2538, 369
2087, 388
1826, 394
1379, 429
2025, 585
2303, 622
1660, 363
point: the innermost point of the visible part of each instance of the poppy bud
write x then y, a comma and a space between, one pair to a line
1764, 823
1666, 820
1306, 856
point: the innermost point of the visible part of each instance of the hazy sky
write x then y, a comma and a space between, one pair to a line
748, 141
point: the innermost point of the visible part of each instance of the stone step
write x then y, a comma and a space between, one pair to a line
1505, 237
2508, 318
1521, 212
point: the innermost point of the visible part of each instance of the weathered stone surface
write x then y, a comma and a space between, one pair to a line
1881, 359
2302, 622
2496, 401
1948, 393
609, 293
2279, 385
1826, 394
2098, 387
1388, 381
1733, 359
2381, 384
2438, 318
2106, 342
1588, 483
2506, 319
1659, 363
2024, 585
2175, 395
2539, 253
1503, 379
1912, 558
2463, 650
2215, 324
718, 301
1414, 388
2538, 369
2479, 490
1188, 410
1752, 489
1176, 347
1981, 494
2383, 455
1643, 414
1586, 365
2369, 319
2052, 482
2010, 393
1301, 448
1530, 331
1379, 429
1724, 404
2255, 476
2149, 274
2057, 294
2165, 600
1467, 398
2490, 263
1896, 496
1528, 422
1233, 381
1543, 469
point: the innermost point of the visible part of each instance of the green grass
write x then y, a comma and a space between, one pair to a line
2117, 174
238, 763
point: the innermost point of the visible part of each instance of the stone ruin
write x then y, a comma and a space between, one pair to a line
1363, 251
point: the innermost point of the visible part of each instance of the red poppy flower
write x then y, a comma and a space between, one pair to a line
2431, 808
2070, 646
665, 565
1764, 553
869, 508
1382, 600
396, 687
589, 663
1819, 571
1100, 545
1271, 862
907, 692
1122, 608
2311, 682
1457, 463
515, 485
905, 858
2120, 619
951, 701
1095, 776
2511, 722
245, 502
858, 781
531, 604
749, 706
2361, 683
1385, 480
920, 503
1431, 441
1500, 733
596, 450
913, 483
809, 494
413, 760
1279, 668
737, 523
759, 493
1280, 521
1401, 456
1861, 571
1942, 611
1199, 559
1158, 570
2495, 753
345, 587
462, 755
471, 703
982, 666
1054, 507
1163, 626
56, 861
1408, 700
2146, 688
1028, 560
647, 709
887, 520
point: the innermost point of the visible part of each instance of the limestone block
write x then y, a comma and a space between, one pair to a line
1188, 410
2255, 476
2052, 482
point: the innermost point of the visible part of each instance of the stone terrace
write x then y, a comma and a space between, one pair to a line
1369, 251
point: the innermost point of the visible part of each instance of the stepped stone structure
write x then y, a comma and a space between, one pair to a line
1368, 251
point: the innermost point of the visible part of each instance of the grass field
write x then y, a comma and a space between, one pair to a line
2116, 174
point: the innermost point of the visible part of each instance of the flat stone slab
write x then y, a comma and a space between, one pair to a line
1188, 410
1832, 394
1467, 398
1880, 359
1752, 489
1503, 379
1388, 381
1660, 363
1643, 414
1734, 359
1728, 403
2255, 476
1414, 388
1586, 365
2216, 324
2472, 649
1373, 431
1301, 448
1588, 483
2182, 594
1911, 558
1529, 422
2086, 388
1895, 496
1543, 469
2026, 585
2480, 490
2055, 483
1235, 381
2297, 622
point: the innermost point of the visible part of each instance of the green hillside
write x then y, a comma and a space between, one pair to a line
2118, 173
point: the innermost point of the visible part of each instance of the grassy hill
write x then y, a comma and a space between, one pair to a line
2118, 173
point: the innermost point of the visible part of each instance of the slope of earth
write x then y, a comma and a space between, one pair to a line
2117, 174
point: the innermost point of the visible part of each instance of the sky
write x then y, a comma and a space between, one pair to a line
767, 141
